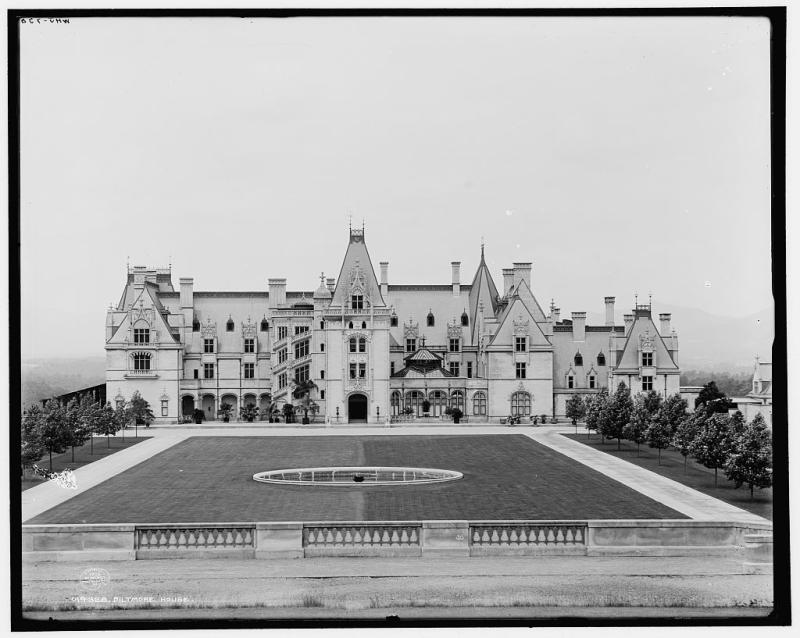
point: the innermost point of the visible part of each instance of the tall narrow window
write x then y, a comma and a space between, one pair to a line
520, 344
229, 326
601, 359
249, 345
196, 373
357, 302
322, 394
208, 370
353, 370
362, 344
464, 319
249, 370
647, 359
164, 407
521, 370
592, 382
301, 349
362, 370
196, 325
469, 369
353, 344
282, 356
393, 321
322, 374
479, 404
208, 345
570, 382
264, 325
391, 367
322, 347
322, 325
431, 320
579, 359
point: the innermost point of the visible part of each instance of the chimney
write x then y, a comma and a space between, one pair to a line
456, 266
522, 272
508, 279
277, 292
628, 323
187, 292
556, 313
579, 326
384, 278
666, 330
331, 284
138, 277
609, 311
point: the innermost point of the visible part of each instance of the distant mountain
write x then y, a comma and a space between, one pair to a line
45, 378
713, 342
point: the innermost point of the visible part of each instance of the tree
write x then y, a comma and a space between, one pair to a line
750, 460
659, 434
652, 401
31, 447
288, 412
594, 408
710, 447
712, 399
248, 412
87, 419
225, 410
685, 434
54, 431
641, 419
736, 429
139, 409
617, 415
109, 421
576, 409
673, 412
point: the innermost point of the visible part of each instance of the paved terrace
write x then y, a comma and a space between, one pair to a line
672, 494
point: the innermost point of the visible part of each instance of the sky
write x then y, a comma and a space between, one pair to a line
619, 155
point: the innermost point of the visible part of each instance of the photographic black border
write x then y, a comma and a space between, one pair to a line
781, 614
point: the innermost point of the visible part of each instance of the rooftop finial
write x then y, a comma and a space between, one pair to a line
322, 279
482, 246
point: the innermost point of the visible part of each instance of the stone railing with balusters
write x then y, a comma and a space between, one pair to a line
363, 539
157, 541
526, 537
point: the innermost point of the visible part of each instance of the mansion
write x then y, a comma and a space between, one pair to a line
373, 349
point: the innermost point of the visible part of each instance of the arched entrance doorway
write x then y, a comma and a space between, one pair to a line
438, 401
208, 407
357, 408
187, 405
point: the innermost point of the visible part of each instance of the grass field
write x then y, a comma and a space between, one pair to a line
83, 455
209, 479
695, 476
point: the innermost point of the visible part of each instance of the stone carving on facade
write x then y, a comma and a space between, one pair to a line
249, 330
454, 330
209, 329
357, 283
647, 342
141, 314
521, 326
411, 330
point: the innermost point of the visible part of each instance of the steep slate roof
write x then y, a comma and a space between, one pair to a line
482, 289
357, 252
517, 309
643, 324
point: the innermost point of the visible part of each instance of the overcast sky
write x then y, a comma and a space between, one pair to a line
619, 155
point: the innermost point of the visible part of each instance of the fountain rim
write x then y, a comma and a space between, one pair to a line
446, 475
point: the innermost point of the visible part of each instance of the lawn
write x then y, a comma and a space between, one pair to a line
103, 447
695, 476
209, 479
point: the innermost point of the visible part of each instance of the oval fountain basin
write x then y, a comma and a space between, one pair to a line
357, 476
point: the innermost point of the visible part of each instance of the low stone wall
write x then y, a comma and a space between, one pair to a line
684, 537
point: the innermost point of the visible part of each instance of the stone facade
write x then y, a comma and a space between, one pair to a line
373, 349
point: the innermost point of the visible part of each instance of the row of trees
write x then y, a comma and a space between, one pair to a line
54, 428
711, 435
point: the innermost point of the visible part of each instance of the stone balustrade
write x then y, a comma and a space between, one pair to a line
362, 539
177, 539
512, 537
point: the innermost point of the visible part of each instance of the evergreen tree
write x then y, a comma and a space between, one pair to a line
594, 407
54, 432
139, 410
750, 460
685, 434
636, 429
659, 434
712, 400
575, 408
710, 447
31, 447
618, 414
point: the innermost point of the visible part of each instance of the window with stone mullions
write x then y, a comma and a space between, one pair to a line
301, 349
208, 370
357, 302
249, 345
521, 370
141, 361
411, 345
520, 344
647, 359
647, 384
141, 335
455, 345
249, 371
302, 374
362, 370
455, 368
208, 345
